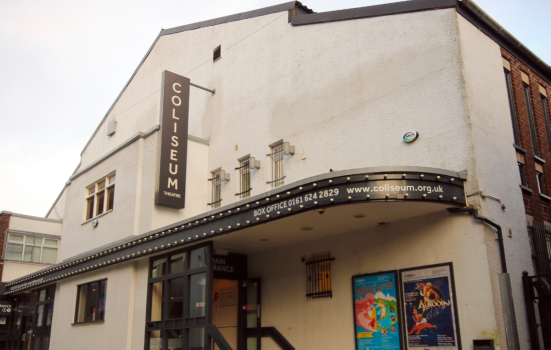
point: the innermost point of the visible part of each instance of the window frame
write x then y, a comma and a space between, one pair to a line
105, 190
244, 169
514, 120
522, 172
216, 188
24, 244
541, 182
531, 120
277, 153
96, 302
546, 118
189, 321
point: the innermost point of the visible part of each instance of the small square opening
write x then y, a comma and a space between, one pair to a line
217, 53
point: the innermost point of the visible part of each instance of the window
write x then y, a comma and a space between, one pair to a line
246, 164
217, 53
91, 299
178, 303
318, 275
279, 150
32, 248
100, 197
546, 117
245, 170
509, 85
522, 170
531, 121
541, 184
216, 188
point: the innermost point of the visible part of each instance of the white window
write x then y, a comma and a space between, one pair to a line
100, 197
31, 248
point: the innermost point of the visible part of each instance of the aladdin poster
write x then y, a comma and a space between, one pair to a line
376, 312
429, 310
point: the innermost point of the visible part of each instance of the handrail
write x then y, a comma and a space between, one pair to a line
277, 337
218, 338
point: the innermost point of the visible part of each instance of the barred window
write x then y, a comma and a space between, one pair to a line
279, 150
216, 189
245, 172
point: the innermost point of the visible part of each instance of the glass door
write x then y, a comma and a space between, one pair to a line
28, 330
250, 315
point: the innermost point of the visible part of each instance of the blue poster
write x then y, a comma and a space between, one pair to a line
376, 312
429, 310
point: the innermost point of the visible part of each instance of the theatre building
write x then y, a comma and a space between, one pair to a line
284, 179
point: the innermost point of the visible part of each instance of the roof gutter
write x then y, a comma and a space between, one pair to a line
471, 12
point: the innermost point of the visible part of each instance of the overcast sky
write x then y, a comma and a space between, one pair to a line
63, 62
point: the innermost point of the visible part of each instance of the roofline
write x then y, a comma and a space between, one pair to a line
208, 23
5, 212
467, 8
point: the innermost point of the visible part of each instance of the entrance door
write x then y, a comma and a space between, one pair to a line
250, 315
28, 330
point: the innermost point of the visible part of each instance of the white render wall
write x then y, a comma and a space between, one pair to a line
124, 326
496, 165
134, 209
343, 93
329, 323
35, 224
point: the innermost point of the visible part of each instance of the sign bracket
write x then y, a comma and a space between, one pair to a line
213, 91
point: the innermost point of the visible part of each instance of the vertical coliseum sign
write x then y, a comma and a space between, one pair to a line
170, 188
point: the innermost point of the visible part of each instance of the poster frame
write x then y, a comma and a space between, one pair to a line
398, 304
454, 298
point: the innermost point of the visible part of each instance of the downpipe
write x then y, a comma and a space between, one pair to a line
506, 292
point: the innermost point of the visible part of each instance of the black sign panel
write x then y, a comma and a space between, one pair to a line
229, 267
5, 308
170, 189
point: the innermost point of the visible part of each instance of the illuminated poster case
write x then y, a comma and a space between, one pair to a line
377, 311
430, 308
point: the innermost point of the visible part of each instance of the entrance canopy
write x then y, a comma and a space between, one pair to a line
380, 194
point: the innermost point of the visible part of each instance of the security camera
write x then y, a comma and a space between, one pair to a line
321, 211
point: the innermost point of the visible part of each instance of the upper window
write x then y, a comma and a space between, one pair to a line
509, 84
217, 53
91, 299
541, 183
531, 121
31, 248
245, 184
546, 117
216, 188
279, 150
100, 197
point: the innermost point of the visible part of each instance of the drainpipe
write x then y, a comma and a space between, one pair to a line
474, 212
506, 292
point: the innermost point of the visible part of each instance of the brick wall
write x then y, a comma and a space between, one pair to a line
4, 225
535, 205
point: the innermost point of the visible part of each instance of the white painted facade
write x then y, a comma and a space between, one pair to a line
343, 93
